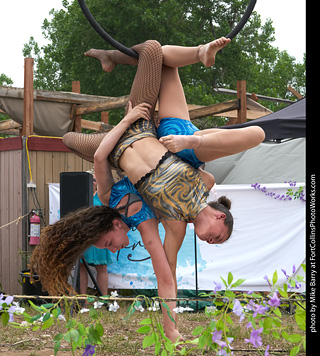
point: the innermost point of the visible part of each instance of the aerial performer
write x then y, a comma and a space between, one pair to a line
187, 198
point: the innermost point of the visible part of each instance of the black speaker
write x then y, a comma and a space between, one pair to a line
76, 191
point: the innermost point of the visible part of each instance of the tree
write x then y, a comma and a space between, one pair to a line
250, 56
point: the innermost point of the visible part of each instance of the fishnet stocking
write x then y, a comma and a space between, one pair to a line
145, 88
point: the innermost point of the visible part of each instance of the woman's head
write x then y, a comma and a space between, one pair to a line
218, 224
65, 241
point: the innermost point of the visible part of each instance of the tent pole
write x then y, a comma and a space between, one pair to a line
196, 267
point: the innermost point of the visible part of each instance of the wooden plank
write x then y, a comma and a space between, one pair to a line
241, 95
5, 232
294, 92
8, 124
59, 96
251, 114
211, 110
77, 118
10, 143
48, 172
27, 127
15, 192
108, 104
46, 144
260, 97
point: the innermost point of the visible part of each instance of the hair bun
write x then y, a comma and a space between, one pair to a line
225, 201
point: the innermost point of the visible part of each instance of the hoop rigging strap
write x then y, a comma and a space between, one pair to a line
134, 54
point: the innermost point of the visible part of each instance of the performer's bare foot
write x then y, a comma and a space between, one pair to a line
207, 52
177, 143
103, 57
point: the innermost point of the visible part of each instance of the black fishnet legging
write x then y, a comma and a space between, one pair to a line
145, 89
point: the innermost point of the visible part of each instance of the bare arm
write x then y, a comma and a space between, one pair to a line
166, 286
102, 168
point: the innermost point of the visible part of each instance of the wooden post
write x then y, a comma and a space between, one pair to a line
242, 95
77, 119
27, 127
105, 117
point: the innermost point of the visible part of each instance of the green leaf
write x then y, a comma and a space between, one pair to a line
295, 350
5, 318
90, 299
99, 329
267, 324
224, 282
294, 338
230, 278
277, 312
56, 312
276, 335
58, 337
34, 318
56, 347
164, 353
82, 329
238, 283
48, 305
283, 293
47, 324
230, 294
275, 278
93, 313
46, 317
148, 341
146, 321
144, 329
198, 330
157, 347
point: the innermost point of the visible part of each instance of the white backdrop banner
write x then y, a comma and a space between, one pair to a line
269, 235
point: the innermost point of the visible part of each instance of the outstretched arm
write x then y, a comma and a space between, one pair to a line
101, 166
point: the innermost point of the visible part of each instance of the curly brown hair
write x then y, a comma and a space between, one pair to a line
62, 243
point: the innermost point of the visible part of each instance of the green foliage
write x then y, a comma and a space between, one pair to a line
250, 56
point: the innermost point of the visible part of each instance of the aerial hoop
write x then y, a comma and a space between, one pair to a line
243, 20
103, 33
134, 54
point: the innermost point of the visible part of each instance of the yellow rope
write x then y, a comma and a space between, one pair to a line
18, 219
30, 173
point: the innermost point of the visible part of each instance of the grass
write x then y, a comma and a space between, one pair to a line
120, 336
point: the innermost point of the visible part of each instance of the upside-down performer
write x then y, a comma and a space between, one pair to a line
172, 188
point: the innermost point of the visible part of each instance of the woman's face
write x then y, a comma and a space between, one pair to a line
115, 239
214, 231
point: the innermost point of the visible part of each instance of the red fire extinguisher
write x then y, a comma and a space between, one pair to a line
34, 228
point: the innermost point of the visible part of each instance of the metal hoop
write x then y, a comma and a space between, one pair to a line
134, 54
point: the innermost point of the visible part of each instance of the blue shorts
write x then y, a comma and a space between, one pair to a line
175, 126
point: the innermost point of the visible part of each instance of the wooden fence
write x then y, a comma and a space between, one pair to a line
48, 157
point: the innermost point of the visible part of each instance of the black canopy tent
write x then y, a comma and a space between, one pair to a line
289, 122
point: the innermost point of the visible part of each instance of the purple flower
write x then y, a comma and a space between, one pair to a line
285, 273
218, 287
267, 279
216, 336
255, 338
238, 310
274, 301
259, 309
89, 350
266, 353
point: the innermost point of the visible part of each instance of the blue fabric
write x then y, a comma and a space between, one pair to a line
118, 191
93, 255
175, 126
